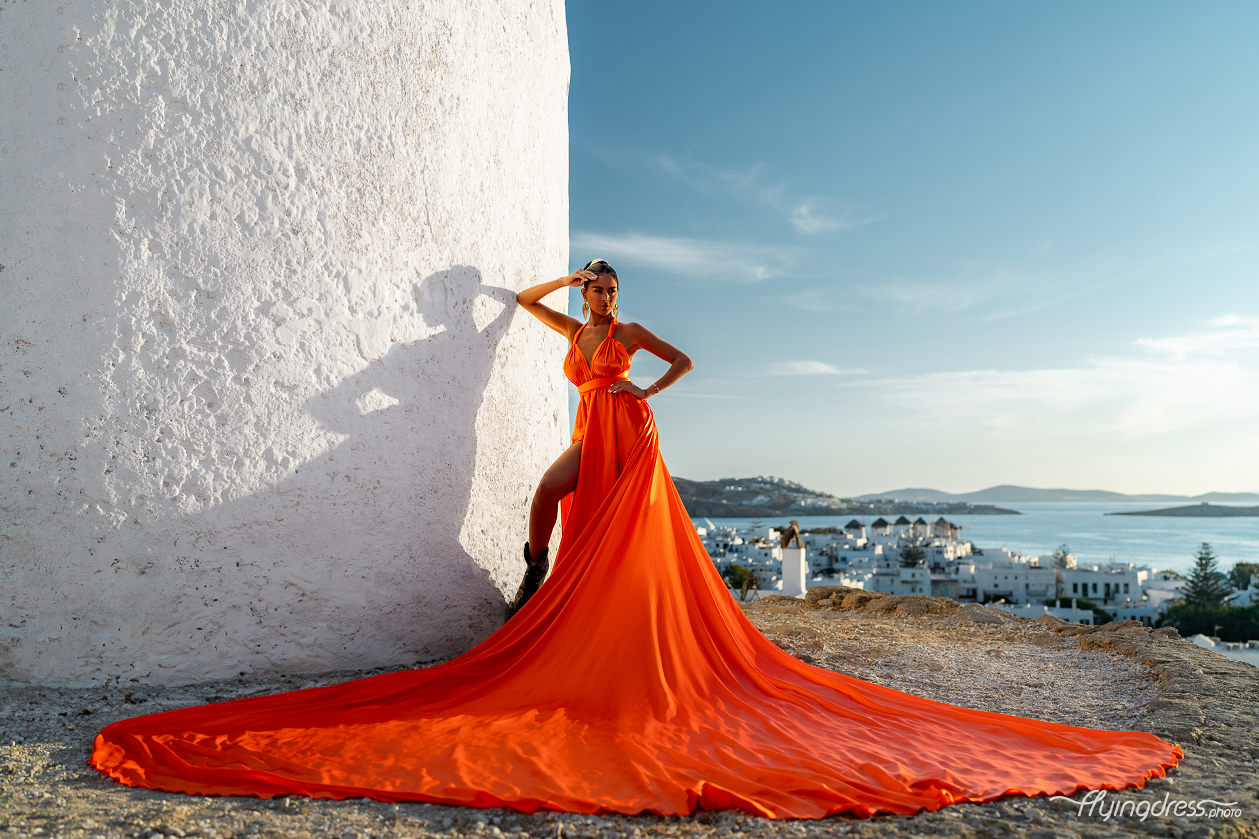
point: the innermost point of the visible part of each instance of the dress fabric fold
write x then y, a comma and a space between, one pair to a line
631, 682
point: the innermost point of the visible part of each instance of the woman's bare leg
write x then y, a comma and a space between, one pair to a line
558, 481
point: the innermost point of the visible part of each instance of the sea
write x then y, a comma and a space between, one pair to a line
1163, 543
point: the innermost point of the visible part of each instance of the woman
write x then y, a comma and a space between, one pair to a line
630, 682
589, 350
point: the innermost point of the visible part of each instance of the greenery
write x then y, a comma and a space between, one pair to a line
1063, 558
1100, 615
737, 574
1207, 587
1240, 575
912, 556
1234, 623
1203, 610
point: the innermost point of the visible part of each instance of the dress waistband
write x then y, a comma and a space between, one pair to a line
595, 384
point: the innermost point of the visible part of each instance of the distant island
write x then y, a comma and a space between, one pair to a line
1203, 510
765, 496
1007, 494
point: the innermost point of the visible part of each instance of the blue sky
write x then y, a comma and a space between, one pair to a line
928, 244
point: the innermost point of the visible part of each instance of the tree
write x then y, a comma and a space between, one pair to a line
736, 574
1240, 575
1063, 558
1234, 624
912, 556
1207, 587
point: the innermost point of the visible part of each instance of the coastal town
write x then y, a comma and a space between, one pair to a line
766, 495
902, 557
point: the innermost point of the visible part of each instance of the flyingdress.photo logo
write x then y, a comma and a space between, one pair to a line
1096, 805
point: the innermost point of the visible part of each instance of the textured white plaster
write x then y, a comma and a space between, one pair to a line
266, 401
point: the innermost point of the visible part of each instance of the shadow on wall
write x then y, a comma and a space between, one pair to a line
353, 559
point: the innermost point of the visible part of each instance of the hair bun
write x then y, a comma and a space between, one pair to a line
599, 267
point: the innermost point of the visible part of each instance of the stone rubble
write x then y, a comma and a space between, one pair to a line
1118, 676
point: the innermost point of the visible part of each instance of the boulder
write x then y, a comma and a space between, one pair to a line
831, 596
912, 604
1108, 641
1070, 630
976, 613
777, 600
1129, 628
859, 601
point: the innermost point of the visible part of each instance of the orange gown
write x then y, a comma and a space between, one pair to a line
631, 682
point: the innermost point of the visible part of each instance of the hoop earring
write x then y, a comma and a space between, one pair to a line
585, 309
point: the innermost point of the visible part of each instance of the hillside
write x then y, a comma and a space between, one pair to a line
768, 496
1008, 494
1202, 510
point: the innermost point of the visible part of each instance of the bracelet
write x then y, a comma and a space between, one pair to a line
656, 388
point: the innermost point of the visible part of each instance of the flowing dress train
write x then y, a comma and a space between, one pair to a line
631, 682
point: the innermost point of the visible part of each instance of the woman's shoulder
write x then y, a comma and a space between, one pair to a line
631, 329
635, 334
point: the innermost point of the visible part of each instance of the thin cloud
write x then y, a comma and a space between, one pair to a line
809, 215
809, 221
808, 218
1005, 291
1134, 396
810, 368
999, 291
712, 181
695, 258
1226, 334
1119, 395
944, 296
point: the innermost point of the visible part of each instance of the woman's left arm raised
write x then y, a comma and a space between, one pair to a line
638, 336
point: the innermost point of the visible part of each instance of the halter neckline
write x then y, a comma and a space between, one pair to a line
590, 361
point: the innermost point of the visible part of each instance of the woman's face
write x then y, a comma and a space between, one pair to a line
600, 294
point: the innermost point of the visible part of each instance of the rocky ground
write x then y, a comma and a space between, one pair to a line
1119, 676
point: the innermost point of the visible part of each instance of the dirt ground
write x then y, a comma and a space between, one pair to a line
1121, 677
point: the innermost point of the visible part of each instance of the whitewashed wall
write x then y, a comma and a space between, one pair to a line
266, 401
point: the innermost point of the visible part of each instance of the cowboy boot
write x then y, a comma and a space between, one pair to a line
535, 573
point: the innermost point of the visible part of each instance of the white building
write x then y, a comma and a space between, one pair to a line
1248, 596
945, 530
848, 557
1015, 582
901, 580
1105, 585
1136, 611
1247, 652
869, 557
269, 404
1162, 588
